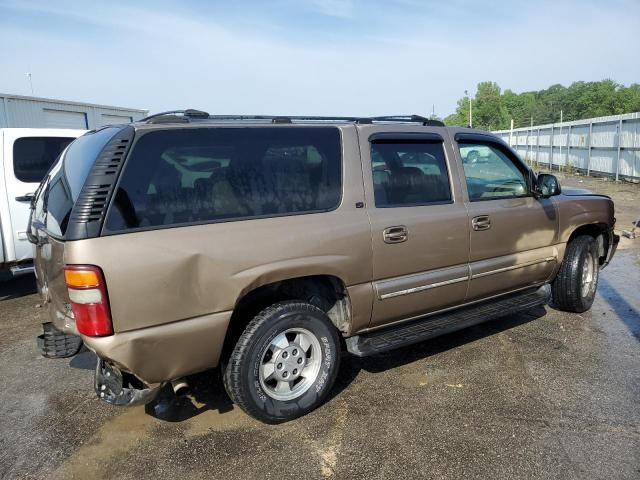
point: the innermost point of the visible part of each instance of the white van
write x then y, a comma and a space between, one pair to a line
26, 154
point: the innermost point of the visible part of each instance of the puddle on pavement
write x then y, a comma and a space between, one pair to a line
117, 436
125, 432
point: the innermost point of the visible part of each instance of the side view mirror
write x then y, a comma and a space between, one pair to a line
547, 185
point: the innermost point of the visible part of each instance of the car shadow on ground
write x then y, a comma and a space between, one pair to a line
629, 315
21, 286
207, 392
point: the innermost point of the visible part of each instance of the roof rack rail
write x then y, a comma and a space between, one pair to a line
172, 116
184, 116
410, 118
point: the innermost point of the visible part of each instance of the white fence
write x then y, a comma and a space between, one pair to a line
604, 145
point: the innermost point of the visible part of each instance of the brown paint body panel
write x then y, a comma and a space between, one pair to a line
172, 291
164, 352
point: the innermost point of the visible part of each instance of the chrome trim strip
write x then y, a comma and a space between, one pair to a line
513, 267
422, 288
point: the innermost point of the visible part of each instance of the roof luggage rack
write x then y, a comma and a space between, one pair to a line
186, 116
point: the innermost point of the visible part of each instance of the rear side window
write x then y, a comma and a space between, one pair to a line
197, 175
67, 178
34, 156
409, 173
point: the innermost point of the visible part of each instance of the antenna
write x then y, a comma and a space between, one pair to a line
30, 82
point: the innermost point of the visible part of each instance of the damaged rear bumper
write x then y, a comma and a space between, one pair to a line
117, 388
164, 352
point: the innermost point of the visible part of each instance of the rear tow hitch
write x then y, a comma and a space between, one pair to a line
117, 388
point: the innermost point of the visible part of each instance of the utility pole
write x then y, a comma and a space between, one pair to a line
511, 134
560, 140
470, 109
531, 134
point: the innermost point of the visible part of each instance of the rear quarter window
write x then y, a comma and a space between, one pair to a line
202, 175
67, 177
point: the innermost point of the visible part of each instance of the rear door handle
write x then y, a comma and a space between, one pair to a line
396, 234
481, 222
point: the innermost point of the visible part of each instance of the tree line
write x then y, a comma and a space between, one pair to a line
493, 109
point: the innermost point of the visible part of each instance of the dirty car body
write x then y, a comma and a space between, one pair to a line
170, 245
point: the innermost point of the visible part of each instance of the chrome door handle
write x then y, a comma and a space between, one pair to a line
395, 234
481, 222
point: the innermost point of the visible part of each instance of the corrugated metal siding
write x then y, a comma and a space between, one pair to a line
106, 119
54, 118
612, 148
31, 112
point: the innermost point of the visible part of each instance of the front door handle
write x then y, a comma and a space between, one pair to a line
481, 222
396, 234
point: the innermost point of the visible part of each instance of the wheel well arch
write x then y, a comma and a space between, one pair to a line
327, 292
597, 231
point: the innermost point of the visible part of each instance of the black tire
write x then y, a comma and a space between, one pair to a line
566, 289
54, 343
241, 376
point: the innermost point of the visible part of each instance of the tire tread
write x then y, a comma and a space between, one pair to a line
565, 288
231, 376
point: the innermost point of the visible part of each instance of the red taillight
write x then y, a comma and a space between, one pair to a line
89, 301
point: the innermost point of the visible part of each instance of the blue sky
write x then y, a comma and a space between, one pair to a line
321, 57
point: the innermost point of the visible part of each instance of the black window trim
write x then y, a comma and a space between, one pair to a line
105, 231
412, 137
491, 140
399, 137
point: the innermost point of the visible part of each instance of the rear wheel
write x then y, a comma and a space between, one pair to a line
284, 363
574, 287
54, 343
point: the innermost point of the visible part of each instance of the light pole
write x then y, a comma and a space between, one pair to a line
470, 109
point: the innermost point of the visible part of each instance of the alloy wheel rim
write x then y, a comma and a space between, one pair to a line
588, 275
290, 364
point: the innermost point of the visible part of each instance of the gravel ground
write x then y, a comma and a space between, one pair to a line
540, 394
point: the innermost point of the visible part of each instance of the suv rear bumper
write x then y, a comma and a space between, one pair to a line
165, 352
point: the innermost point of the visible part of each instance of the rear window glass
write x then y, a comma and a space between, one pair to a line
409, 173
34, 156
67, 178
196, 175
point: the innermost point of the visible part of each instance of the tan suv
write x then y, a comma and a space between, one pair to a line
268, 245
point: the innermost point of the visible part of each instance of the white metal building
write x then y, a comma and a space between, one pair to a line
34, 112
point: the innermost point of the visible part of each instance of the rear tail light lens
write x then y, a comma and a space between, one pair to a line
89, 301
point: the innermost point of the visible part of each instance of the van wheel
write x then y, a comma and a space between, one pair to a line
574, 288
284, 363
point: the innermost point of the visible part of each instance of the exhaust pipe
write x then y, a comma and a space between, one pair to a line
180, 386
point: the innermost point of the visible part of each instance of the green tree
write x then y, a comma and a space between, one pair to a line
493, 110
489, 112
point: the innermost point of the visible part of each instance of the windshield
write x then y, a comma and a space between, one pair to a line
61, 187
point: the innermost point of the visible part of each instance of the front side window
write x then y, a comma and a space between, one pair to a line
33, 156
491, 173
408, 173
195, 175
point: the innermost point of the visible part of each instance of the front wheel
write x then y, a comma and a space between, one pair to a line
284, 363
574, 288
